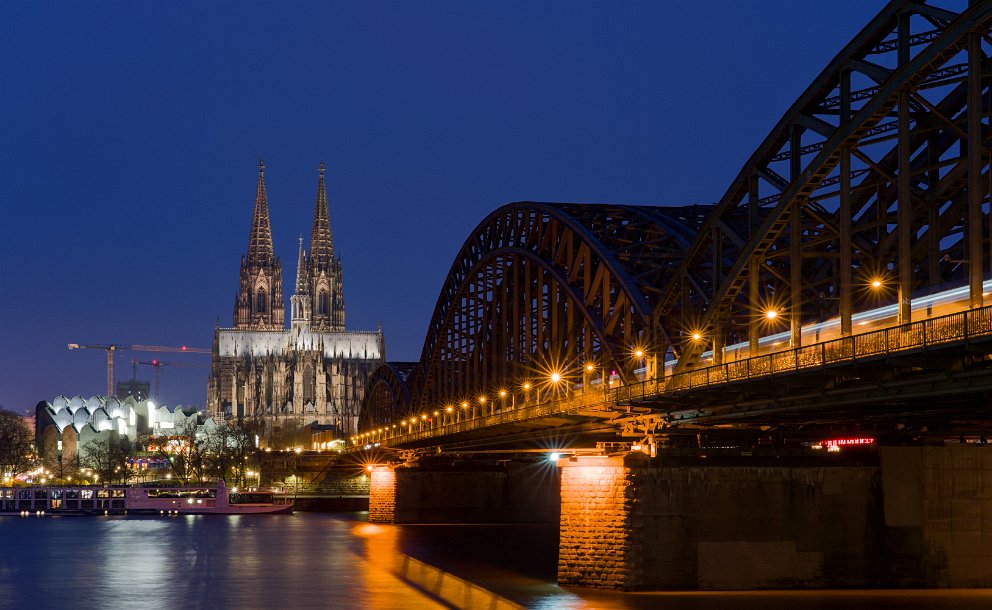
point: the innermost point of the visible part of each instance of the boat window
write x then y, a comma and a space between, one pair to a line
103, 493
118, 493
182, 493
41, 493
251, 498
55, 493
86, 494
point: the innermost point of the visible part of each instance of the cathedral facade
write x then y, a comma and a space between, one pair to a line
313, 371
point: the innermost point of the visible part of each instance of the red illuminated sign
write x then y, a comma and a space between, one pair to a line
844, 442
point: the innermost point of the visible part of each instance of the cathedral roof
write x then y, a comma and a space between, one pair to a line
359, 345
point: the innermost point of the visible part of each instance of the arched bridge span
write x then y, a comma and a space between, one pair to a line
871, 192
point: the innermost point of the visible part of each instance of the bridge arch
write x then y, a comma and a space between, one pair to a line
543, 286
879, 170
387, 395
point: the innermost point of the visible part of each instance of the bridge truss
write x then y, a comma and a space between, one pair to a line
873, 188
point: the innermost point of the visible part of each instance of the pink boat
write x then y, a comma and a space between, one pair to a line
143, 500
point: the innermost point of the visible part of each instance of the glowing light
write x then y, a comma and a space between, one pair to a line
638, 353
555, 377
482, 400
696, 336
554, 457
841, 442
464, 404
590, 367
771, 314
876, 283
526, 386
502, 393
370, 468
449, 408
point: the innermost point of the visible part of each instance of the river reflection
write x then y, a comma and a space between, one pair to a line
311, 560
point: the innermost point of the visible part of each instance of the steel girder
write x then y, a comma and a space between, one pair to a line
386, 394
542, 286
880, 169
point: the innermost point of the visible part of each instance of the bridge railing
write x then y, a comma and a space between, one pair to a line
942, 330
950, 328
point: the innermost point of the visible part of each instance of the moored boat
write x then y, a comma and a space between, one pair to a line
141, 500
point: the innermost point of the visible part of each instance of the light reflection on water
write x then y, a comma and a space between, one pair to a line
333, 561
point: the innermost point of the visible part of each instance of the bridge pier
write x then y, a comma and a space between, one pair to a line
461, 491
920, 516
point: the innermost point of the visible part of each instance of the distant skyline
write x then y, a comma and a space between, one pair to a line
133, 132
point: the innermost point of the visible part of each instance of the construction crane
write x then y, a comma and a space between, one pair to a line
111, 348
158, 364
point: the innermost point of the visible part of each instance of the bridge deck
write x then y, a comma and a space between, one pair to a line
594, 410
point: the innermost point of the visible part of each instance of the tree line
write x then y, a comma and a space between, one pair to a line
191, 453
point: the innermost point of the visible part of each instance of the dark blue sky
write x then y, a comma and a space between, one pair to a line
131, 131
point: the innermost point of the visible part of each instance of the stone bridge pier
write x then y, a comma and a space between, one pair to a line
439, 490
896, 516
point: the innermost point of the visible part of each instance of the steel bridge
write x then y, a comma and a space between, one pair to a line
841, 279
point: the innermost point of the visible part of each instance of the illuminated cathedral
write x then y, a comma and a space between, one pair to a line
313, 371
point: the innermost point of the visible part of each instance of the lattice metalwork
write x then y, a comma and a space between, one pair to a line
877, 174
872, 190
544, 287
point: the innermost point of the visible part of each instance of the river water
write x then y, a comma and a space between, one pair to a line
326, 560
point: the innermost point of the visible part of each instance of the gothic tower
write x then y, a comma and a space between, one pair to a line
299, 303
324, 269
259, 304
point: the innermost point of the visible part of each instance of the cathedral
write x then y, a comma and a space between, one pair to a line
313, 371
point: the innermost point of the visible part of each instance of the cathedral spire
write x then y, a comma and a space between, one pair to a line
301, 270
321, 241
260, 240
299, 303
259, 304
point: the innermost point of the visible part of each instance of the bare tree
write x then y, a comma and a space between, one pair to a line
109, 458
232, 452
62, 466
17, 452
187, 457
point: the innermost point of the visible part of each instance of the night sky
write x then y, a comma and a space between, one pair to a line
131, 133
